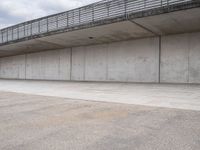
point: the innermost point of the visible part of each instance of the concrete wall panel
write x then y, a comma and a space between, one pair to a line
49, 65
78, 64
180, 59
13, 67
96, 63
126, 61
135, 61
65, 64
194, 58
174, 58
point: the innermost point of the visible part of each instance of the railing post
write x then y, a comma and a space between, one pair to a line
7, 35
12, 34
125, 5
92, 13
144, 3
57, 22
24, 31
73, 17
2, 36
47, 24
31, 29
67, 19
18, 32
79, 15
38, 26
107, 5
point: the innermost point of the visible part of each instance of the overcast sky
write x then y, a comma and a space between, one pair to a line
16, 11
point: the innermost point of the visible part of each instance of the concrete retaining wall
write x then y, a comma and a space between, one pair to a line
180, 58
50, 65
126, 61
120, 61
12, 67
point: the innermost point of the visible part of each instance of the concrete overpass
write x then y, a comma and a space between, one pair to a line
118, 40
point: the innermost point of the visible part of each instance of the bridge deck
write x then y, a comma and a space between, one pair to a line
100, 13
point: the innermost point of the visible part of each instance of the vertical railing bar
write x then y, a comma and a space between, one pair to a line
39, 26
67, 19
7, 35
24, 31
57, 22
31, 29
79, 11
125, 8
73, 17
2, 36
47, 24
18, 32
92, 13
12, 34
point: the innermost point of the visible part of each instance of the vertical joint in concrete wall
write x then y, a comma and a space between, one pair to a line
84, 64
70, 64
25, 66
189, 46
107, 62
159, 61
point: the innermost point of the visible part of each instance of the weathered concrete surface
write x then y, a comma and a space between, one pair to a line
120, 61
194, 58
126, 61
35, 122
12, 67
135, 61
180, 96
51, 65
180, 58
174, 59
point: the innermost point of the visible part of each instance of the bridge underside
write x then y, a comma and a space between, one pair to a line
177, 22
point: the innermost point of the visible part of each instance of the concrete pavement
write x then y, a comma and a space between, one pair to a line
182, 96
31, 122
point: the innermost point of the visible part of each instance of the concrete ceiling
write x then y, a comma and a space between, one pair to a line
172, 23
96, 35
164, 24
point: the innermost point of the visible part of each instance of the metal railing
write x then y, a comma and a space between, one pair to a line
105, 9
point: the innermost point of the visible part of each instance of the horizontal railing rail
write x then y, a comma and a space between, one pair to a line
105, 9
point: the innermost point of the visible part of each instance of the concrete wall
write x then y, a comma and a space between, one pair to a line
120, 61
135, 61
90, 63
180, 58
126, 61
49, 65
12, 67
